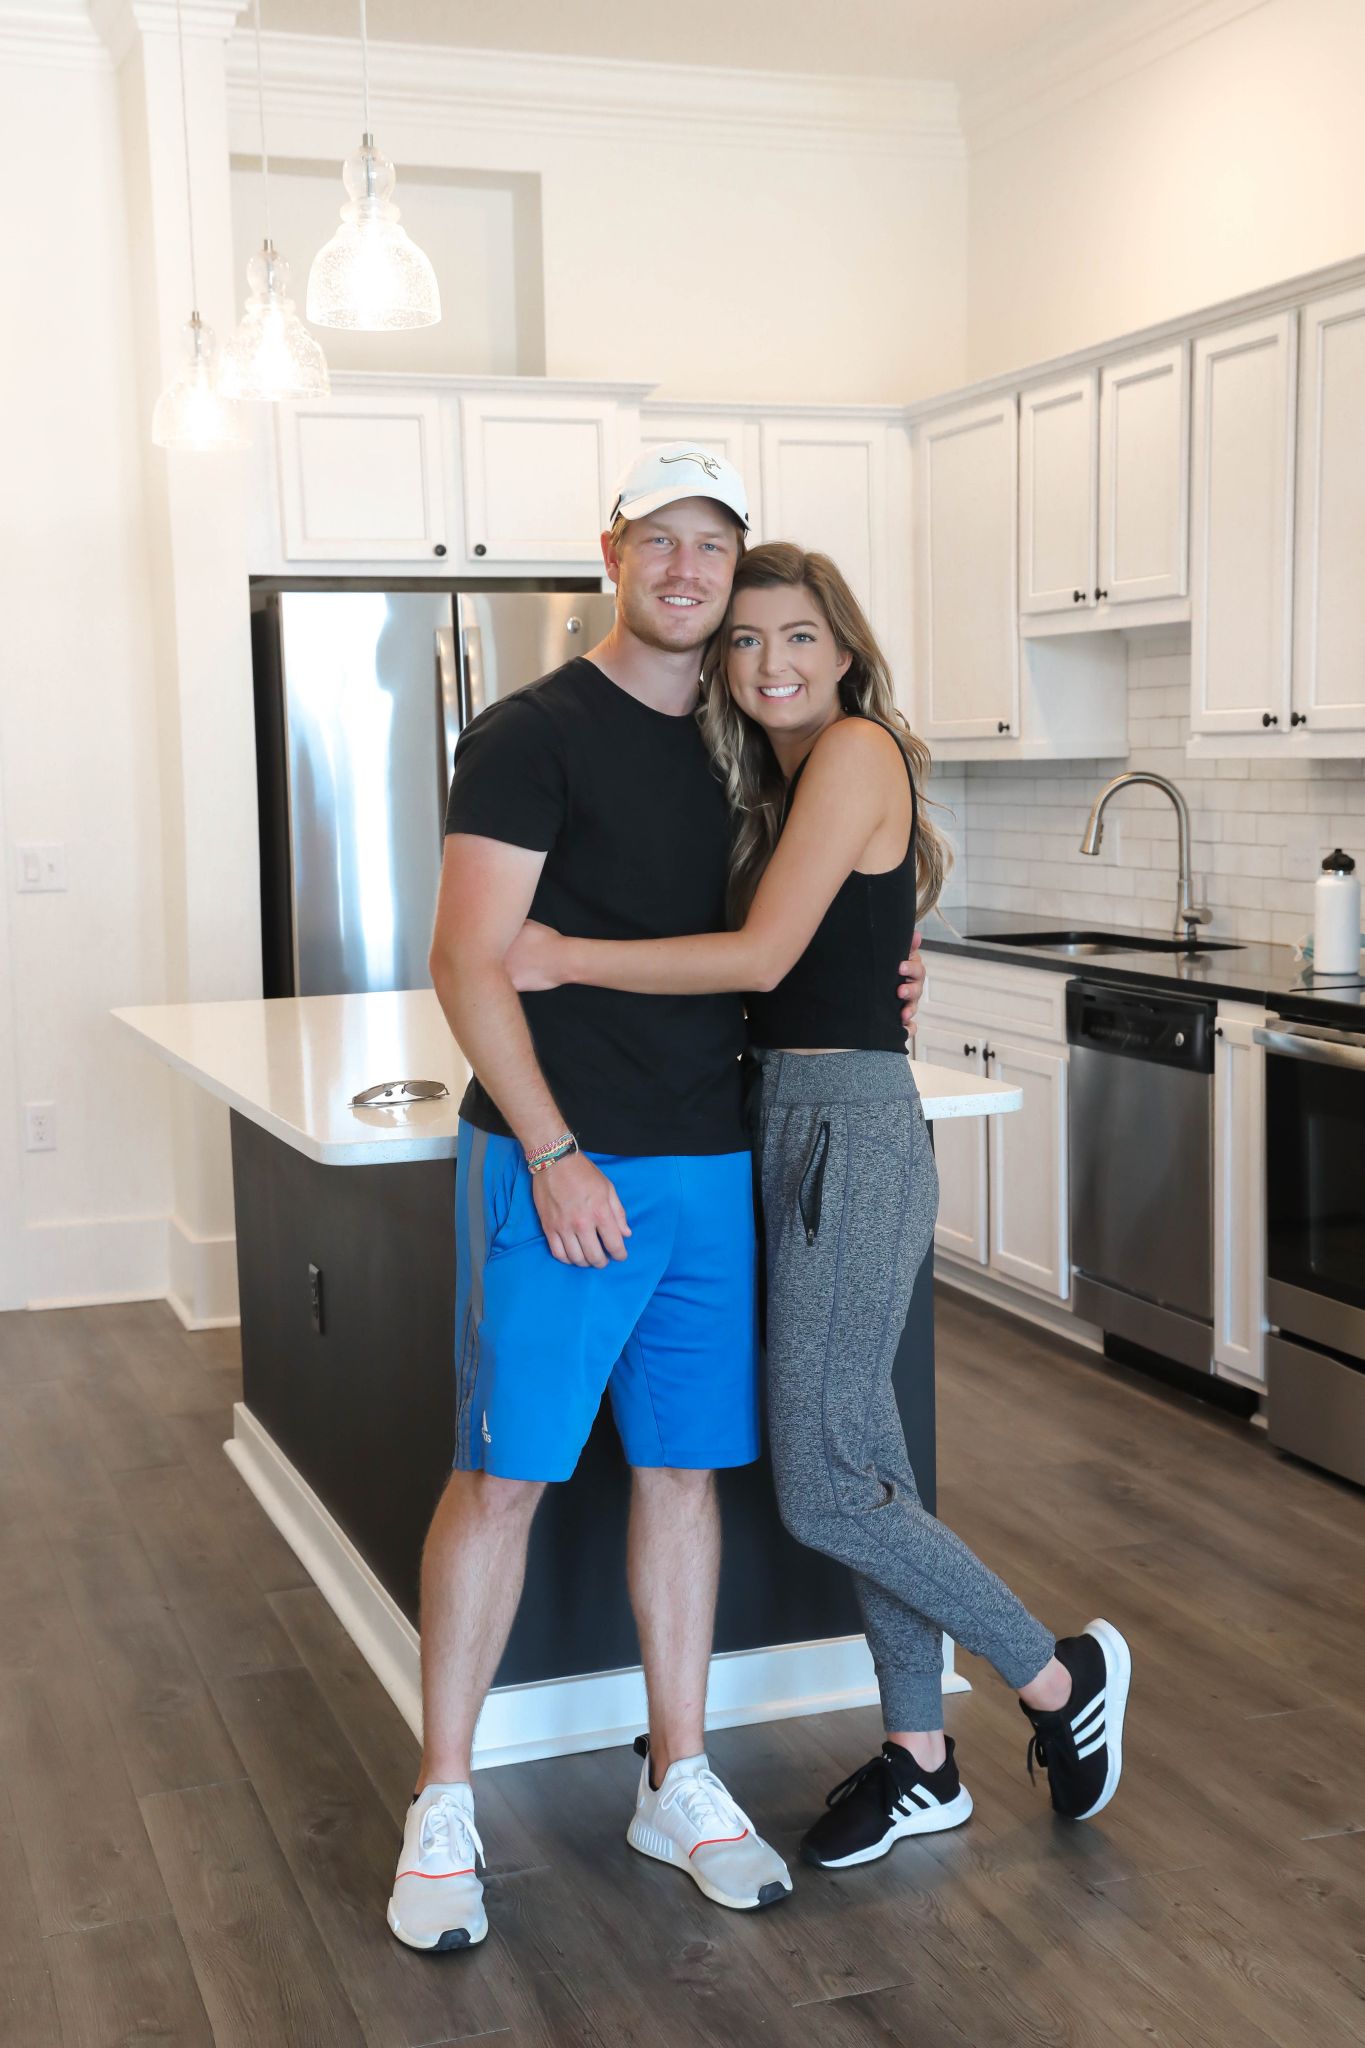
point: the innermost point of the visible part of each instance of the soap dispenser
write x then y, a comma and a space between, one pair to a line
1336, 916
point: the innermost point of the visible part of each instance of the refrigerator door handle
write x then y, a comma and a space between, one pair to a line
448, 707
471, 642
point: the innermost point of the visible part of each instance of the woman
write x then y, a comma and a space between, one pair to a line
832, 864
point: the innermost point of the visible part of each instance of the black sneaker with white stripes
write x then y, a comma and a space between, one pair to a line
884, 1800
1080, 1745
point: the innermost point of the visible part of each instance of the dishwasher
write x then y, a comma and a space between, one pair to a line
1140, 1144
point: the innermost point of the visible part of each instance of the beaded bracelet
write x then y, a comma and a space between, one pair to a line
562, 1148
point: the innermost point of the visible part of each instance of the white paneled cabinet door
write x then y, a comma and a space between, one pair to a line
361, 480
1145, 476
1239, 1246
537, 473
1029, 1237
1058, 485
1241, 541
824, 487
1329, 593
966, 573
959, 1146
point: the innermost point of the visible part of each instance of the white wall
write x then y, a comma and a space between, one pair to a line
78, 740
481, 232
1229, 162
728, 235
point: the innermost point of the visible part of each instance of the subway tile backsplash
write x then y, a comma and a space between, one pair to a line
1259, 830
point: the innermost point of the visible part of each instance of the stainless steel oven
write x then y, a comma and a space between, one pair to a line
1315, 1241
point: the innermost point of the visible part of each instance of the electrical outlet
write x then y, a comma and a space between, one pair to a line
315, 1297
1302, 860
41, 868
40, 1126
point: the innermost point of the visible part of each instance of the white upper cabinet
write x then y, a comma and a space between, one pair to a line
361, 480
538, 471
1058, 485
1144, 479
1329, 596
1242, 527
966, 559
824, 487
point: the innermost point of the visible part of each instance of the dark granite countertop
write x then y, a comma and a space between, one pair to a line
1249, 973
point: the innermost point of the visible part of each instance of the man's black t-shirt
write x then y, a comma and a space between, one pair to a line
625, 804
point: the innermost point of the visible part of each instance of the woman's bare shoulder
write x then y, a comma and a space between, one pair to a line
857, 747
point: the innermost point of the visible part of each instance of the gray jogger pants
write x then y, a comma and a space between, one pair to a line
850, 1192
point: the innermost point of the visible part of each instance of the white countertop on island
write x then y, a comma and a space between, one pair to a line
292, 1065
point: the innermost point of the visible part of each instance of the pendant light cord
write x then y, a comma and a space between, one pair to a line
364, 63
185, 130
260, 109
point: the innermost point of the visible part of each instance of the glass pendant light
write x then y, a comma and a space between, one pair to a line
192, 412
272, 354
371, 275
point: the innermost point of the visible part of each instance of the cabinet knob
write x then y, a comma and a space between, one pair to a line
439, 548
479, 548
1078, 597
969, 1051
1100, 596
988, 1052
1269, 718
1002, 725
1298, 718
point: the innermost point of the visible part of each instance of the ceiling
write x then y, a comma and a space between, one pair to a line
942, 39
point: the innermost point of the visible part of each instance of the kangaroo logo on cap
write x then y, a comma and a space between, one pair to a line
708, 462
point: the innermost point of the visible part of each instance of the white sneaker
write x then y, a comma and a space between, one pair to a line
692, 1821
437, 1900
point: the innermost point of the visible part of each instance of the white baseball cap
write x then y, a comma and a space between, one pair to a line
679, 469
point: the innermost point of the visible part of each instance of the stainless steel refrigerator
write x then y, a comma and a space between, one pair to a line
361, 696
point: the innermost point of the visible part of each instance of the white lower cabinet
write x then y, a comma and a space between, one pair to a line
1028, 1188
959, 1148
1003, 1179
1239, 1249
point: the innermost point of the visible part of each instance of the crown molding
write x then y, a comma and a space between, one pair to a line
52, 32
1067, 64
120, 23
604, 99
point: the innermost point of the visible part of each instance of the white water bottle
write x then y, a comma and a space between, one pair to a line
1336, 916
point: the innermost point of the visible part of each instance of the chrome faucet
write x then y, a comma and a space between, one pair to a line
1187, 913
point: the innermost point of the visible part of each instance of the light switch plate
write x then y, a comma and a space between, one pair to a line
40, 868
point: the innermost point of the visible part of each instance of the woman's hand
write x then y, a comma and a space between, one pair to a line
532, 959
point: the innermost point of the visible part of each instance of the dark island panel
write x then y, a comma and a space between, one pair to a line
364, 1410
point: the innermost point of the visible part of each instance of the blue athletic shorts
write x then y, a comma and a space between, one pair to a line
671, 1331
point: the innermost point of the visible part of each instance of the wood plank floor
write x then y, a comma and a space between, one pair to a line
201, 1783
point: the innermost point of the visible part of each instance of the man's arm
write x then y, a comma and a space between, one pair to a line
841, 801
484, 897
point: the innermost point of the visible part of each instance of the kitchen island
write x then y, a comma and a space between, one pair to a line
344, 1432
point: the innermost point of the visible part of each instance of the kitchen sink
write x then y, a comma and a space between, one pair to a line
1082, 943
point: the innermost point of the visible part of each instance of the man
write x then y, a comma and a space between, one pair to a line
605, 1225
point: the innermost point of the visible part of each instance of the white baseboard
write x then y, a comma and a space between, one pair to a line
203, 1277
1045, 1314
554, 1717
93, 1260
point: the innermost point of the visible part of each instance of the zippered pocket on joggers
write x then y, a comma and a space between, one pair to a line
811, 1192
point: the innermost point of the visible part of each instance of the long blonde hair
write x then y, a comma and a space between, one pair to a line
754, 783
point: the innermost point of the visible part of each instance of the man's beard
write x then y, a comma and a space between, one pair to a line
641, 621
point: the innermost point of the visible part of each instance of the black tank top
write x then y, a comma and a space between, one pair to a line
842, 991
